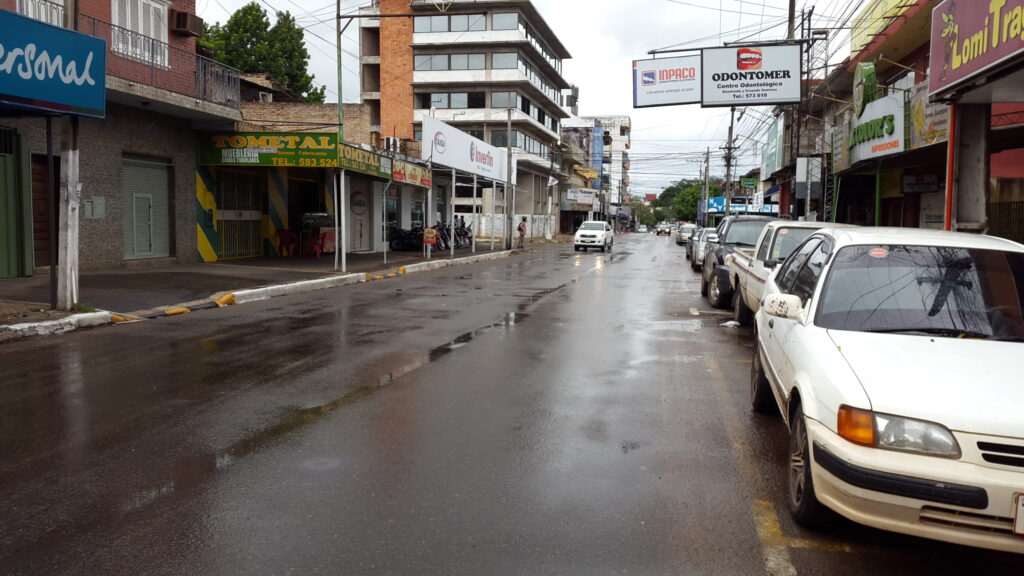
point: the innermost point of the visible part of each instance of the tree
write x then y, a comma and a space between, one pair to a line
247, 42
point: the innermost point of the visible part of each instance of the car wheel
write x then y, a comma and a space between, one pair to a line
761, 399
716, 296
740, 311
703, 285
576, 248
804, 506
610, 244
693, 266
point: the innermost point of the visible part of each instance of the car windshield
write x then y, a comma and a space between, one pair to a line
744, 232
787, 239
592, 226
945, 291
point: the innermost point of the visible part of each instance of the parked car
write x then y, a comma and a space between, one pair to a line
663, 228
750, 267
893, 356
698, 246
594, 234
641, 228
683, 233
732, 232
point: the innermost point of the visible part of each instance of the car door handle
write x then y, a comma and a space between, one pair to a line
771, 323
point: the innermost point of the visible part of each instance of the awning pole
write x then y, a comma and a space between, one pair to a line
472, 235
451, 222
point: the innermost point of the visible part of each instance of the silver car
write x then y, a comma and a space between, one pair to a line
698, 246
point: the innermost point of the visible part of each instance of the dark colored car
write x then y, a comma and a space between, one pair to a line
733, 232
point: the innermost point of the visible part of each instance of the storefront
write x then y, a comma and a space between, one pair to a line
273, 193
889, 154
977, 55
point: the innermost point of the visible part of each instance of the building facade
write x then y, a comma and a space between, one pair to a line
490, 68
136, 158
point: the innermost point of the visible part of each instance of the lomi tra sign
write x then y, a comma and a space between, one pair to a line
972, 38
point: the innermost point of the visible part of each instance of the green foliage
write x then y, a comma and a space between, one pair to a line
247, 42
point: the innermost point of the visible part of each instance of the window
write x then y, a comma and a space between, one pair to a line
504, 60
442, 100
466, 61
807, 278
141, 32
502, 99
439, 100
787, 275
51, 12
468, 22
505, 21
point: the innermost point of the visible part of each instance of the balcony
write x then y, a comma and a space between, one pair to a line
43, 11
140, 60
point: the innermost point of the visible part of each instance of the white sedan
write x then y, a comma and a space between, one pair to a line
594, 234
893, 355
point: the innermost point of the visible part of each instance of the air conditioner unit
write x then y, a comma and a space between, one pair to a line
186, 24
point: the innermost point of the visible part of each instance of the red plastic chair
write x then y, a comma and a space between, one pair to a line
287, 242
314, 244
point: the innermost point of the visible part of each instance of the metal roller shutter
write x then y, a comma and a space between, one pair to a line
145, 209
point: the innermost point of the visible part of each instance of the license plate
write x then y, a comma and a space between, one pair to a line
1018, 515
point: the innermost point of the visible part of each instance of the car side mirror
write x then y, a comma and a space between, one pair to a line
771, 264
784, 306
712, 238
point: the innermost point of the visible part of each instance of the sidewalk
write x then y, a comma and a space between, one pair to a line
128, 294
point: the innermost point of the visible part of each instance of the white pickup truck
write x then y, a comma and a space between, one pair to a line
750, 267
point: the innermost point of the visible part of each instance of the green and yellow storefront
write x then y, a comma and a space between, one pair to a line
265, 194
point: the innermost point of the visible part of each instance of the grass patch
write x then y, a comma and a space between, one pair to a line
84, 308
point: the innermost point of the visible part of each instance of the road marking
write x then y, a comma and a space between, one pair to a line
775, 545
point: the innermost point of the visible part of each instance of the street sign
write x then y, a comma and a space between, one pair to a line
429, 236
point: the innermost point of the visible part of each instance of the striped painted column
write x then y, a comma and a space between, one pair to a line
206, 215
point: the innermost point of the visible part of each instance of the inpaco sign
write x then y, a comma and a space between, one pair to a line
666, 81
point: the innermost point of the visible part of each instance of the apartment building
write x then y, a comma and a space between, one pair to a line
491, 68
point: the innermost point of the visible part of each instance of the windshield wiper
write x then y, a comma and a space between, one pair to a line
951, 332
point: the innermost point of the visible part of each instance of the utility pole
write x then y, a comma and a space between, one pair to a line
510, 210
728, 162
703, 212
791, 30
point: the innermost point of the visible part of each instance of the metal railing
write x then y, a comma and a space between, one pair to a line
1006, 220
43, 11
138, 58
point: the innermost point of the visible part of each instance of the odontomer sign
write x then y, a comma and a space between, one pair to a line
750, 75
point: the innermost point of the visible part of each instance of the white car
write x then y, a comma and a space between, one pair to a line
893, 355
594, 234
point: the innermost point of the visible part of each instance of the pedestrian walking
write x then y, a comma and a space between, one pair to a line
522, 233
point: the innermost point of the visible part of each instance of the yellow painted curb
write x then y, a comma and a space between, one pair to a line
225, 300
369, 277
118, 318
176, 311
401, 270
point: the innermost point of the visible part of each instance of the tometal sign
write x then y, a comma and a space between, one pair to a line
750, 76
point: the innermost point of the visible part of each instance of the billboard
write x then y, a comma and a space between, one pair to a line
876, 126
47, 68
771, 154
750, 75
971, 39
589, 141
666, 81
449, 146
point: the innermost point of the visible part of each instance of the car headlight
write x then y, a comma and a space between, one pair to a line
891, 432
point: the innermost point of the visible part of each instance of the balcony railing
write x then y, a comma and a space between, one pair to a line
43, 11
138, 58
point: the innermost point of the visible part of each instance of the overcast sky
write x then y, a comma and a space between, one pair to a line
604, 37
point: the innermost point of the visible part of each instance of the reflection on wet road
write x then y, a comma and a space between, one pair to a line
552, 413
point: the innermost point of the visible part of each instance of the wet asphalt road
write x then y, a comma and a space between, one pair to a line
551, 413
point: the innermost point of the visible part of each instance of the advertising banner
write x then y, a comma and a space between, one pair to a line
970, 39
47, 68
879, 131
583, 196
929, 121
666, 81
297, 149
449, 146
771, 154
750, 76
364, 161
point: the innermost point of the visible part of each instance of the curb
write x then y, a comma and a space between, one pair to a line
220, 299
74, 322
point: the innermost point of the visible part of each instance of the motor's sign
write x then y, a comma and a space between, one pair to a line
666, 81
750, 75
971, 39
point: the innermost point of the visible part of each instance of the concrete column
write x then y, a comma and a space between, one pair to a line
972, 167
